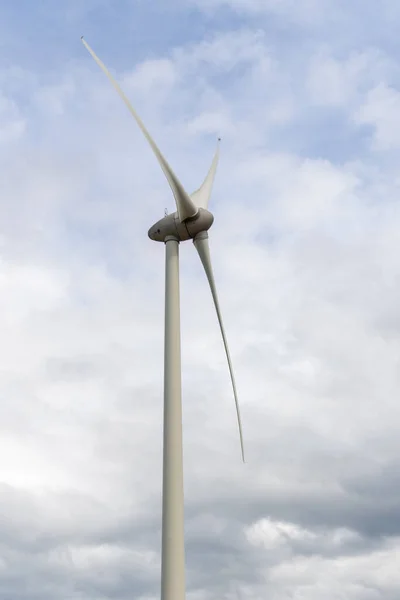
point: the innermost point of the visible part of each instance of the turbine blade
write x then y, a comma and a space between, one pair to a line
201, 196
185, 206
202, 247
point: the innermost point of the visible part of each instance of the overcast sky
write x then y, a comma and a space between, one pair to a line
306, 249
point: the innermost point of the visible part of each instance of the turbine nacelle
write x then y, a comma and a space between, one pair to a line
171, 225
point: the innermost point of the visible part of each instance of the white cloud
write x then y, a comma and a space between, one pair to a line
304, 10
359, 577
225, 51
381, 111
151, 76
337, 82
12, 124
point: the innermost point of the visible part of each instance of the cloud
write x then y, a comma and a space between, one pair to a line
12, 125
304, 10
336, 82
380, 112
305, 246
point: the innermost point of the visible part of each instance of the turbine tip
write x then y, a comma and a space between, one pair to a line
81, 37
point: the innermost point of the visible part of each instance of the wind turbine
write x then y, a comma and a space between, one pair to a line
192, 220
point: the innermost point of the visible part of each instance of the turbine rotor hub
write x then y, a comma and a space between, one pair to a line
170, 225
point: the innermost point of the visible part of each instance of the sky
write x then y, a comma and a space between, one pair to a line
305, 246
